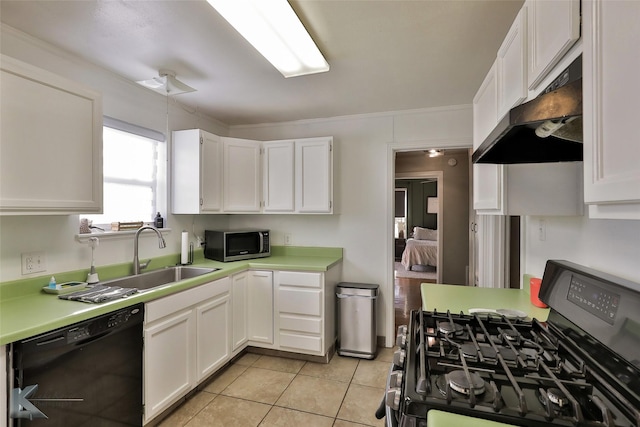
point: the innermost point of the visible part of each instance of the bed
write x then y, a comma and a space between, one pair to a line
421, 249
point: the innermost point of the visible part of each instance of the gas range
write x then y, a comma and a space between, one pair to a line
579, 368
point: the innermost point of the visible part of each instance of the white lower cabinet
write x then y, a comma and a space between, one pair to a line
186, 338
305, 310
260, 307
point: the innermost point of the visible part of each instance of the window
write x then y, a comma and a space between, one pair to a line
134, 171
400, 225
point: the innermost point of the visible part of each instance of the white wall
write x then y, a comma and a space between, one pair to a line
124, 100
612, 246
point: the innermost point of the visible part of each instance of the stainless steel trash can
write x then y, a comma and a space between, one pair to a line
357, 319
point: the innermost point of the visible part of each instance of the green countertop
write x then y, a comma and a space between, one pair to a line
458, 298
26, 311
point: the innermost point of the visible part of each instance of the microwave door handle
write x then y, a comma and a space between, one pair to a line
261, 243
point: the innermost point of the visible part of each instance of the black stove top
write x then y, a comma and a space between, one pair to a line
527, 372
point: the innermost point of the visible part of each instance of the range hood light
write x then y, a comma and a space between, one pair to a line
548, 128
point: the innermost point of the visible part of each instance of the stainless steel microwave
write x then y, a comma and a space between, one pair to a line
235, 245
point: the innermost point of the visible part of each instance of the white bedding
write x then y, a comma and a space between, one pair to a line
422, 252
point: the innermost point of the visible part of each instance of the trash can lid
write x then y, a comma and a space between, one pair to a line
357, 285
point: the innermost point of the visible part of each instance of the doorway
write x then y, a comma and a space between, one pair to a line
436, 188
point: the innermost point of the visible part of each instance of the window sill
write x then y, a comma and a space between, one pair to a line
114, 235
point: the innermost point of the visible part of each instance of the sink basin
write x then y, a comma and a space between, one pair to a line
155, 278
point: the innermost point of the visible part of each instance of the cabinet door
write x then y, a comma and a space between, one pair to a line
260, 306
611, 93
213, 328
488, 180
239, 283
211, 175
242, 175
554, 26
511, 66
314, 175
278, 176
169, 361
50, 143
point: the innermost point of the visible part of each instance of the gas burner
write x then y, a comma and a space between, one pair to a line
556, 396
511, 335
469, 350
459, 382
449, 328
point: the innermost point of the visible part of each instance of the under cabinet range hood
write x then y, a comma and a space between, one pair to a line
544, 130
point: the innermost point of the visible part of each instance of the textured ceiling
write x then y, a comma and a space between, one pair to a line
384, 55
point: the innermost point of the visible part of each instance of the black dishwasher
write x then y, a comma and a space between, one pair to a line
85, 374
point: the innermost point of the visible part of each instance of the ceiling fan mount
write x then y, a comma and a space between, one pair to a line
166, 83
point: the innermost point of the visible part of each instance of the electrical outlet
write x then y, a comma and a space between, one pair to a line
34, 262
287, 239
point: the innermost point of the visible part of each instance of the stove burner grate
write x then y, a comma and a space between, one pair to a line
459, 381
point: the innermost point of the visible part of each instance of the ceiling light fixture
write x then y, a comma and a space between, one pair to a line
272, 27
435, 153
166, 84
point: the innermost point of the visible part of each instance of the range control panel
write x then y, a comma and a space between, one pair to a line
597, 301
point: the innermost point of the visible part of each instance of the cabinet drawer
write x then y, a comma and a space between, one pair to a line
301, 324
296, 278
299, 341
170, 304
300, 301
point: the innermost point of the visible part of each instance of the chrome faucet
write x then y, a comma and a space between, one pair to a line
137, 266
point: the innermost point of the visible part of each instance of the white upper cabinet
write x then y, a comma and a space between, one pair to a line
196, 172
488, 189
554, 26
611, 90
242, 175
314, 175
298, 176
511, 66
279, 176
50, 143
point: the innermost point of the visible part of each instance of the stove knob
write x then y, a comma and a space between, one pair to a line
395, 379
401, 341
392, 398
398, 358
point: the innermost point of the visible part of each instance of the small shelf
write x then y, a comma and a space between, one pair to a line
127, 234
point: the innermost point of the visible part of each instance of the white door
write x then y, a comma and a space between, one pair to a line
242, 175
239, 284
213, 318
314, 175
169, 361
260, 306
279, 173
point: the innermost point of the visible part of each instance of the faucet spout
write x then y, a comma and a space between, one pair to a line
136, 262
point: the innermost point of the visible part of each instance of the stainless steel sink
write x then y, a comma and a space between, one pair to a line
155, 278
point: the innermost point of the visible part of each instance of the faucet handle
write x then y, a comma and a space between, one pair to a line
144, 265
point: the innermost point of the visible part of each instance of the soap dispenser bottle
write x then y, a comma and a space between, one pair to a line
158, 221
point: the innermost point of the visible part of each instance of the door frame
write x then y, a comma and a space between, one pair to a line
392, 148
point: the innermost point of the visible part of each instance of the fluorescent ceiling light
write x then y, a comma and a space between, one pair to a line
273, 28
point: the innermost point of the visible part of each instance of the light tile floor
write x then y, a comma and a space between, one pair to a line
258, 390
